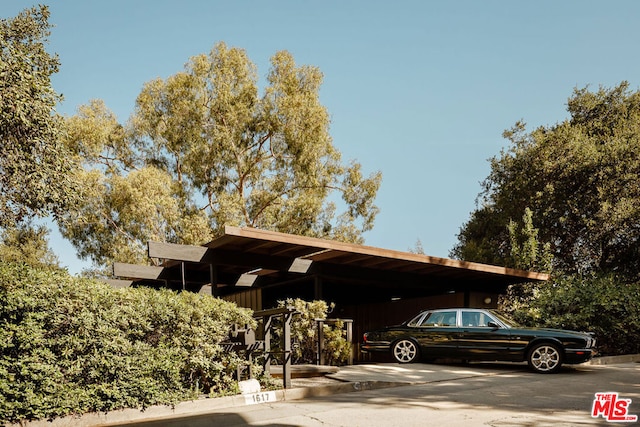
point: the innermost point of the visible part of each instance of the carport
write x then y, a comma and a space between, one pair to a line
374, 286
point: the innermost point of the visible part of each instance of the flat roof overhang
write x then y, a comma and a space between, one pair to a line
243, 258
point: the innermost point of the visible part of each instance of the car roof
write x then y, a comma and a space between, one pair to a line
456, 308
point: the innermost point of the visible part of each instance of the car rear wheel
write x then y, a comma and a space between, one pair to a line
545, 358
405, 351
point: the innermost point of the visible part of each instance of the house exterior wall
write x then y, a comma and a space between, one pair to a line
251, 298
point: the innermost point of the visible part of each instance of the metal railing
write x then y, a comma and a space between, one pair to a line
244, 340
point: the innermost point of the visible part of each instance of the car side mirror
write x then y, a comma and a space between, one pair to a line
493, 325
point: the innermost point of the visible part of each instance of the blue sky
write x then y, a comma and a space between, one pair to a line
419, 90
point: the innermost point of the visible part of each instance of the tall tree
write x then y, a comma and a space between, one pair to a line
579, 178
216, 153
34, 166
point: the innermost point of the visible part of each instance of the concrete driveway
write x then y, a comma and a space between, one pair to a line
495, 394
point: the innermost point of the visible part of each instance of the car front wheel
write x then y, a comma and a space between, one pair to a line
545, 358
405, 351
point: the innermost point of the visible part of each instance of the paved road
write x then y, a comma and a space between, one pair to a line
476, 395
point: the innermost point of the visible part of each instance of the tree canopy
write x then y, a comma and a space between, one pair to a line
34, 165
27, 243
580, 180
203, 150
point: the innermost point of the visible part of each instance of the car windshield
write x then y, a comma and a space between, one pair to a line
504, 318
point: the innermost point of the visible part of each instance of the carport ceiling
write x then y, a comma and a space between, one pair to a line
274, 257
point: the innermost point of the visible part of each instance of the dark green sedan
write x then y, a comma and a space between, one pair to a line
477, 334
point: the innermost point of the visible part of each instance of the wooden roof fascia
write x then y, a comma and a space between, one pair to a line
254, 233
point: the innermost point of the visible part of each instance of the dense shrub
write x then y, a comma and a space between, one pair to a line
605, 305
71, 345
304, 333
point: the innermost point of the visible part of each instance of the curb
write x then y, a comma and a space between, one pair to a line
199, 407
611, 360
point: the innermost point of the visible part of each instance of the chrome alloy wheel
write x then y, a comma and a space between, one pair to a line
545, 358
405, 351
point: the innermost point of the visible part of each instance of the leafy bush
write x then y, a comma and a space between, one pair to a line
304, 333
602, 304
71, 345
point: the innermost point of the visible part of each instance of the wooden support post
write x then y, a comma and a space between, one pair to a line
267, 343
182, 276
286, 346
349, 325
213, 279
320, 346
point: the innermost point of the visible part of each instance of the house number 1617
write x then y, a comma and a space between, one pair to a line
257, 398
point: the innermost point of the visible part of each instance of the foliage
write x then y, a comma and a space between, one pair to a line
35, 170
603, 304
484, 238
304, 333
27, 243
527, 253
417, 248
203, 150
120, 214
71, 345
580, 180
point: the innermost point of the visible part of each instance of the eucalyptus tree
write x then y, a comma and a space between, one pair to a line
29, 244
35, 179
204, 149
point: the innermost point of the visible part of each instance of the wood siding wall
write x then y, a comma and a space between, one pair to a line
251, 298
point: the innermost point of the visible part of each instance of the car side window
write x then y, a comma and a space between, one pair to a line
440, 318
475, 319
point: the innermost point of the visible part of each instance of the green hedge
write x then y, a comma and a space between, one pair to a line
603, 304
71, 345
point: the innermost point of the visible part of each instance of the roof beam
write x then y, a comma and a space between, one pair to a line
173, 251
135, 273
118, 283
132, 271
201, 254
